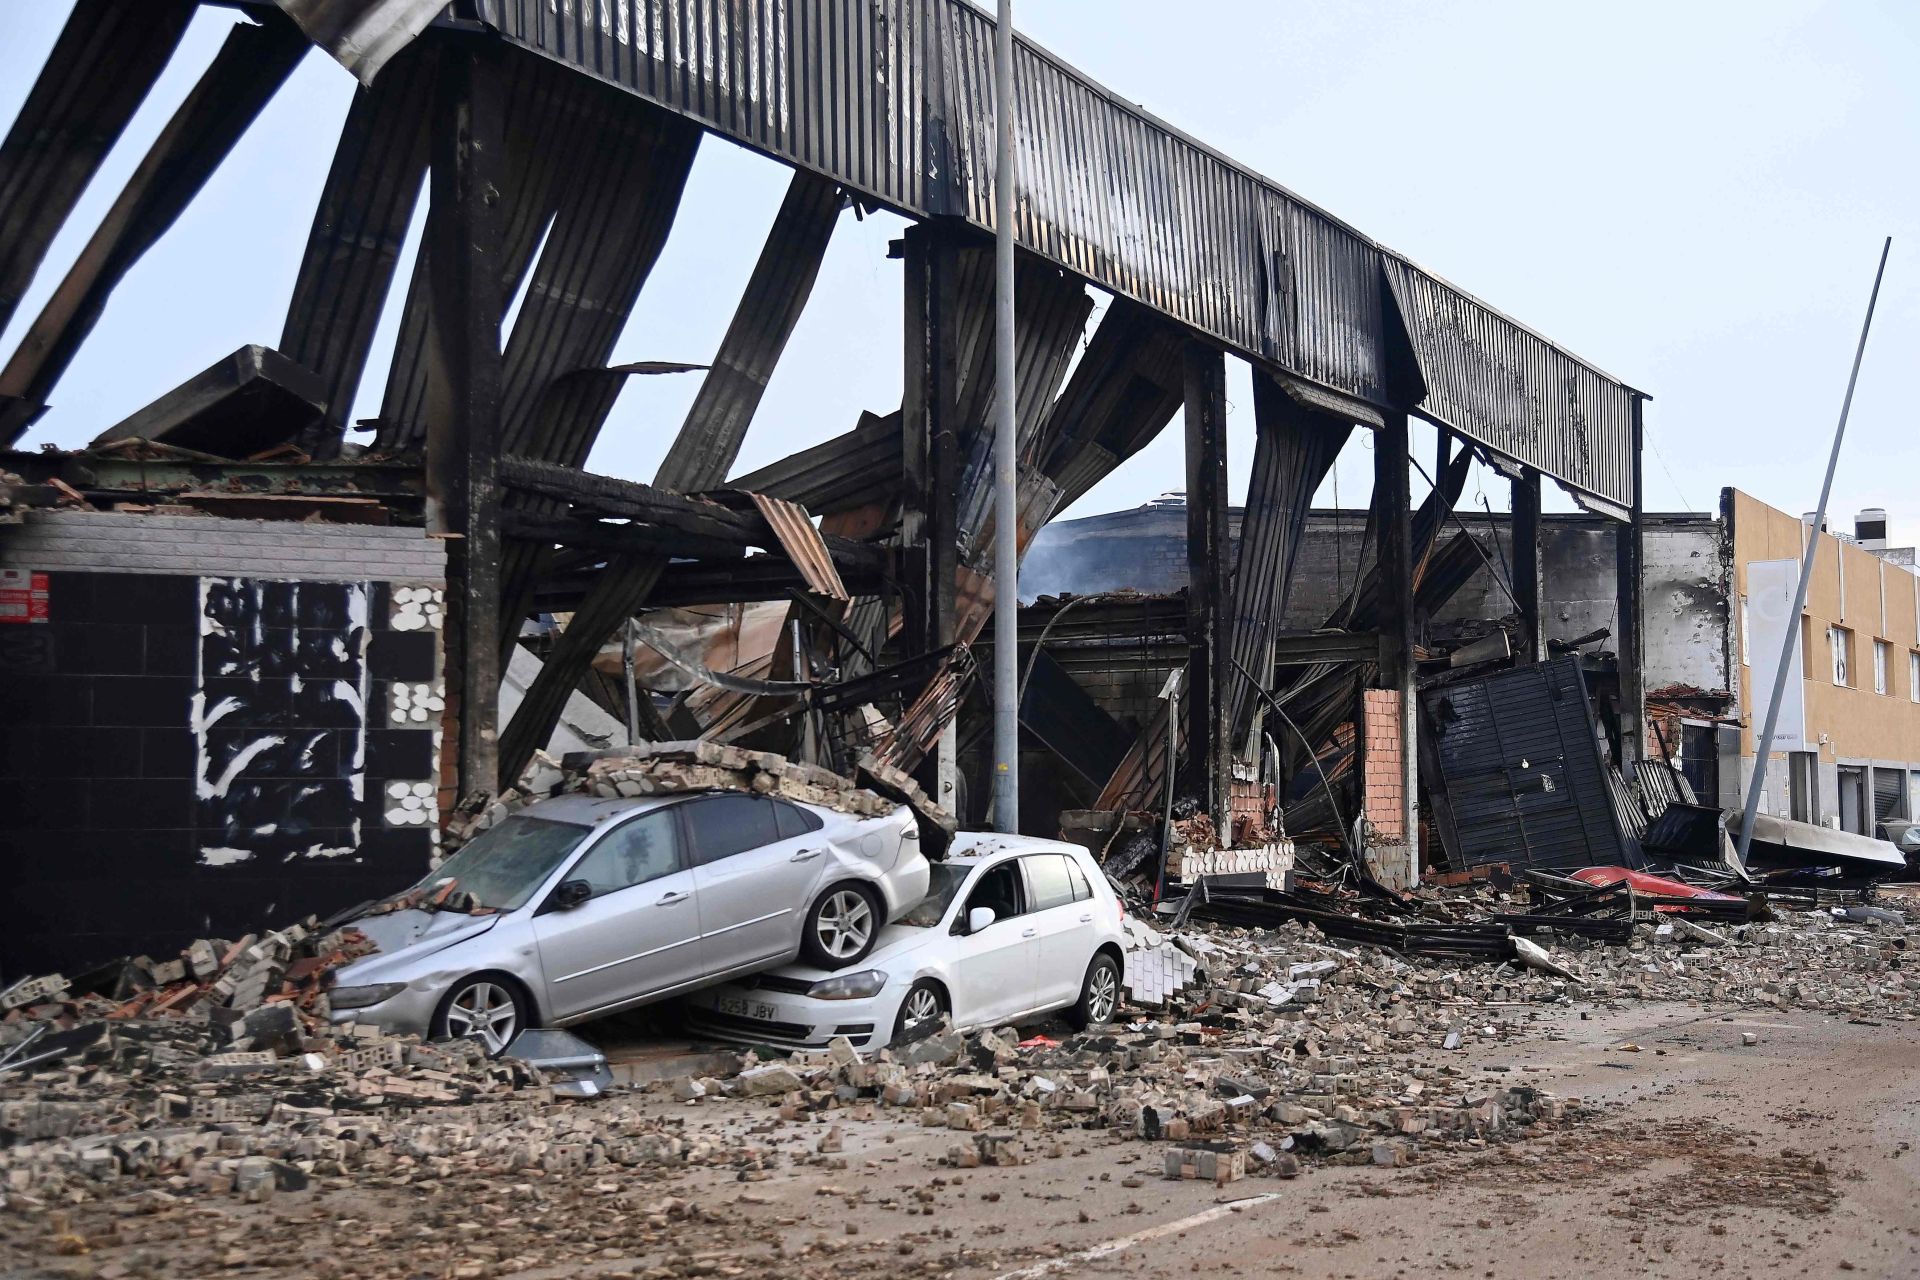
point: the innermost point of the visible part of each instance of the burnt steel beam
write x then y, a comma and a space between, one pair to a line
715, 427
783, 279
607, 496
1630, 583
1209, 736
848, 471
463, 402
101, 69
930, 418
619, 539
1309, 648
358, 231
1127, 386
606, 236
247, 71
1525, 502
1394, 550
1294, 449
557, 129
685, 583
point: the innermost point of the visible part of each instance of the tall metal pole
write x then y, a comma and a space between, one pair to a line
1763, 745
1006, 450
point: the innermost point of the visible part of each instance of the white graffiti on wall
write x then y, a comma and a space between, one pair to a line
279, 719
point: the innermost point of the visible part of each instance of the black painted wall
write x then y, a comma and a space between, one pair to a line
118, 836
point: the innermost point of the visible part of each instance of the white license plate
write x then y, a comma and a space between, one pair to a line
742, 1007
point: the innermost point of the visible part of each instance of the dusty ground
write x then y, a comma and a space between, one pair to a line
1794, 1156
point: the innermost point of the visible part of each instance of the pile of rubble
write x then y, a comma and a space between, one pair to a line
662, 768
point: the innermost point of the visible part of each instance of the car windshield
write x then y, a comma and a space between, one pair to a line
500, 868
942, 886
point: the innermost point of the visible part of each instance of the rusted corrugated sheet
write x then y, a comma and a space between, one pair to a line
893, 98
803, 544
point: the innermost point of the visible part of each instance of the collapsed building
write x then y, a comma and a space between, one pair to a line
261, 648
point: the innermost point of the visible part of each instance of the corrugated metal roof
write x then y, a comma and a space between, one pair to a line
803, 544
893, 99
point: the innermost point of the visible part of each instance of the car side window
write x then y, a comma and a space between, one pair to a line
1081, 889
721, 826
1048, 884
793, 821
634, 852
1000, 889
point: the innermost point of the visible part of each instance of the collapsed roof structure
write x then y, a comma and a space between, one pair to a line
556, 136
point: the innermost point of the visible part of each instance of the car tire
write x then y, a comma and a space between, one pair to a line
1099, 994
487, 1007
925, 999
841, 926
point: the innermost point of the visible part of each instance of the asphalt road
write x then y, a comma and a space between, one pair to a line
1793, 1156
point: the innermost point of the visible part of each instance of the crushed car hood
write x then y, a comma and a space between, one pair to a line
415, 933
895, 943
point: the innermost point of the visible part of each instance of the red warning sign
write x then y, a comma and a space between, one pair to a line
23, 596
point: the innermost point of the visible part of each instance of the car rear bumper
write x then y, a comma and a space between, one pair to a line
786, 1020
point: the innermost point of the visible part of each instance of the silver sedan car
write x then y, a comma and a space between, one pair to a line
577, 907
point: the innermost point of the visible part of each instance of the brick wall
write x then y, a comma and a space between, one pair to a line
1380, 756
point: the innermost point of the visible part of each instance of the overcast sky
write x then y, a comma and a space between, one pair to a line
1690, 195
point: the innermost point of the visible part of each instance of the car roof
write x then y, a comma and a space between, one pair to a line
973, 847
585, 810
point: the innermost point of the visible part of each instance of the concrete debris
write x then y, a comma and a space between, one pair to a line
664, 768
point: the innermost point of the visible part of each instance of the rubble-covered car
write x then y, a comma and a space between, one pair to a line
580, 906
1011, 927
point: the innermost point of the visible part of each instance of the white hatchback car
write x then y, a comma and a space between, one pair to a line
1011, 927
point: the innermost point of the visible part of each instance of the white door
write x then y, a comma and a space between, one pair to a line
754, 886
1060, 910
640, 931
993, 976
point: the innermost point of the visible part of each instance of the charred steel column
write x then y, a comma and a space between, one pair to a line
1526, 564
930, 453
1630, 572
1209, 571
1393, 531
463, 389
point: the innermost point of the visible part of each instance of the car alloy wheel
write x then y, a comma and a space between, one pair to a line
922, 1005
486, 1010
1103, 993
844, 924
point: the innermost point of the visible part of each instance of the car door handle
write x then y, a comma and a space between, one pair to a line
806, 855
668, 899
1030, 933
1087, 919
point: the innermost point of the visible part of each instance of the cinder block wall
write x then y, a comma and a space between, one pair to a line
207, 732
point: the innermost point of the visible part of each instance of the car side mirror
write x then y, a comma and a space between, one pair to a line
571, 894
979, 918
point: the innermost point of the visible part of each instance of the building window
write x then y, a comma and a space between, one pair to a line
1840, 645
1913, 677
1880, 660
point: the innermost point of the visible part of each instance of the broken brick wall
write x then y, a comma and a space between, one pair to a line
1382, 795
189, 754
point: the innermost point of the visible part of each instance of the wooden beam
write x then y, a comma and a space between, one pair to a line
463, 390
